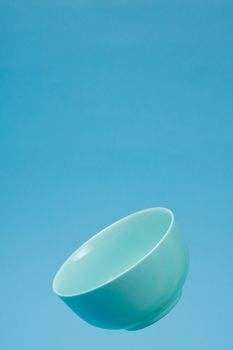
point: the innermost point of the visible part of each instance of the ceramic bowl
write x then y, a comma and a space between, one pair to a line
128, 275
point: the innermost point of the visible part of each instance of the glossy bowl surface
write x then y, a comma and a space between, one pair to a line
128, 275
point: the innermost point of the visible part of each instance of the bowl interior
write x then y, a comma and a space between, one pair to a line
111, 252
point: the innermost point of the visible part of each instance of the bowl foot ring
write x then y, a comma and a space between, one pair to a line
157, 316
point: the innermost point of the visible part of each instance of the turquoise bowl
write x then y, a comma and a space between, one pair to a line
128, 275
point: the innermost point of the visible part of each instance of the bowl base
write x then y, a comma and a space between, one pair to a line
156, 316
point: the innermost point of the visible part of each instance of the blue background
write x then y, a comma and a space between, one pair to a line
108, 107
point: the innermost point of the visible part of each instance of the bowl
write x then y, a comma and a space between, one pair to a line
129, 275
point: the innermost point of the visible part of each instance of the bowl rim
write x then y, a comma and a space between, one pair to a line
144, 257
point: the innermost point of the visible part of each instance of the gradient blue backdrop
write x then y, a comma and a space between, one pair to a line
108, 107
